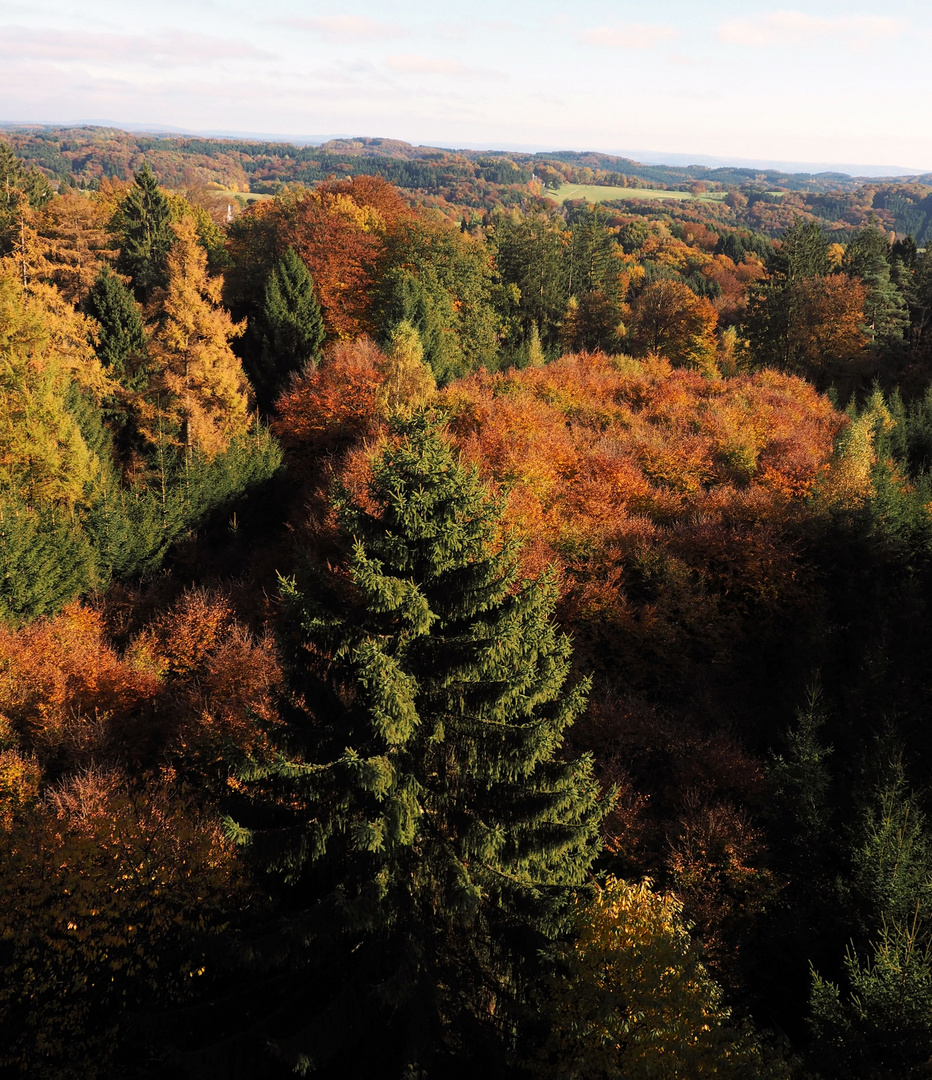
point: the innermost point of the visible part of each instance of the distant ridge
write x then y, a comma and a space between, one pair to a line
373, 145
650, 157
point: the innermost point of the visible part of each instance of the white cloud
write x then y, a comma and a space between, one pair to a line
165, 49
416, 64
345, 27
798, 28
629, 35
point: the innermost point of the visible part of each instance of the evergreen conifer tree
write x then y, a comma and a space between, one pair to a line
886, 315
291, 326
143, 226
432, 834
878, 1020
22, 190
122, 339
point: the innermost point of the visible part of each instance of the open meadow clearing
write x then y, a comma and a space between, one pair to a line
601, 193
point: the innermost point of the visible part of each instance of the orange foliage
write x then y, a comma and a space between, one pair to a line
667, 500
75, 241
59, 680
176, 643
340, 230
19, 785
825, 334
219, 683
696, 234
669, 319
333, 404
734, 280
717, 866
191, 686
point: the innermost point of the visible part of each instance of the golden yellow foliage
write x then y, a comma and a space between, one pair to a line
639, 1004
44, 346
198, 396
19, 784
408, 381
847, 484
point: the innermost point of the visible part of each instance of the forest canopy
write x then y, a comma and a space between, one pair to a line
444, 627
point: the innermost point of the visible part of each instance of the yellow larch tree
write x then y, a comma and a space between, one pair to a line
198, 396
45, 347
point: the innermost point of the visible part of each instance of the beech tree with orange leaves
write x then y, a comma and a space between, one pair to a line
669, 320
811, 326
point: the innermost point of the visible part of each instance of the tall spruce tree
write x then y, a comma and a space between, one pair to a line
431, 832
291, 327
877, 1021
121, 343
143, 226
886, 315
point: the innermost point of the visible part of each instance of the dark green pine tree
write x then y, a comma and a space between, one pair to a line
886, 315
877, 1021
143, 227
290, 326
406, 298
803, 252
121, 338
431, 831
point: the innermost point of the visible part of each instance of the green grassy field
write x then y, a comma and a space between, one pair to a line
596, 193
246, 196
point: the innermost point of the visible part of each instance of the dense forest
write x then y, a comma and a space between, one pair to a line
465, 185
445, 629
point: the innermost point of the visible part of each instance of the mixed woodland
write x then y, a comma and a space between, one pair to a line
447, 630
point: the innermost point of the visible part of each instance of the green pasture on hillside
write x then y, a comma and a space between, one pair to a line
246, 197
598, 193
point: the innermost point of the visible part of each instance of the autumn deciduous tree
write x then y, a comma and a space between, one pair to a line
332, 404
22, 192
591, 323
664, 496
339, 231
197, 397
409, 382
669, 320
75, 242
46, 345
812, 326
638, 1003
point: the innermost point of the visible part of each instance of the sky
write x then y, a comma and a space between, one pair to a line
813, 82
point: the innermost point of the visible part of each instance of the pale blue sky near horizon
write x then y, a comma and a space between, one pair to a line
823, 82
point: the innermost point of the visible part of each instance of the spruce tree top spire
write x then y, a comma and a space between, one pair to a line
423, 802
290, 326
143, 225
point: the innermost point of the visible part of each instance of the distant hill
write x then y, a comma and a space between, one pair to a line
464, 183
